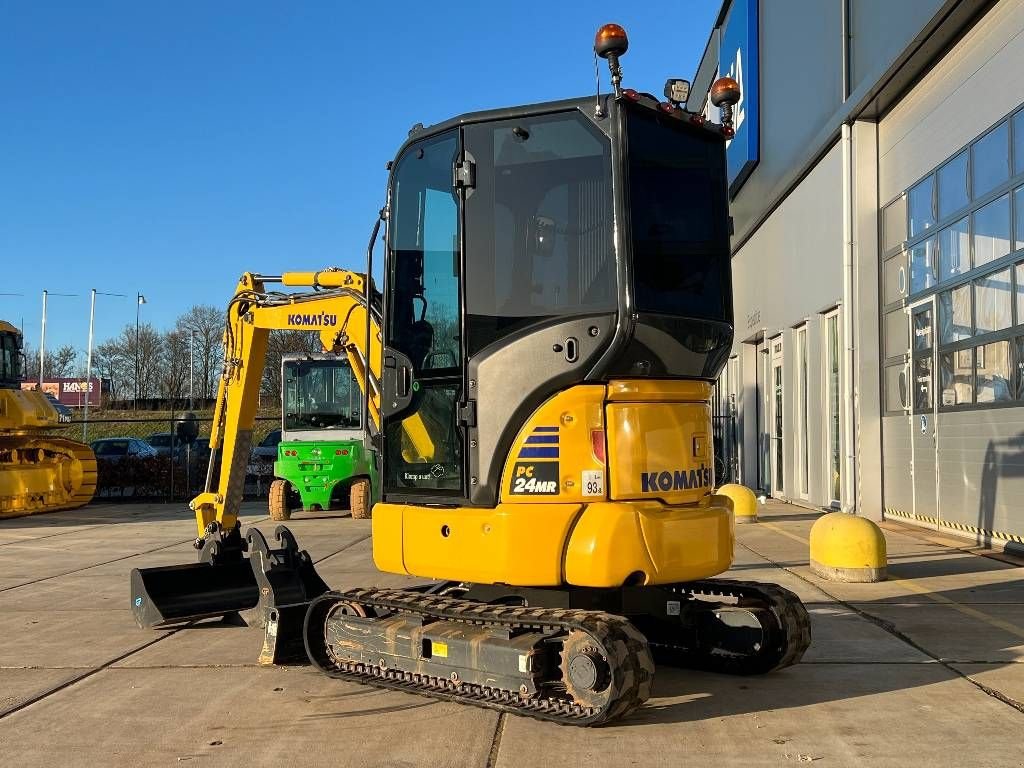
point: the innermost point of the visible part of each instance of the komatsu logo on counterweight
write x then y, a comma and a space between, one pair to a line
677, 480
316, 320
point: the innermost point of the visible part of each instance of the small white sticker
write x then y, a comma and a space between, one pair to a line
593, 482
672, 607
524, 663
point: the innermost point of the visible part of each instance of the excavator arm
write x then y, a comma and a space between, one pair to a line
336, 310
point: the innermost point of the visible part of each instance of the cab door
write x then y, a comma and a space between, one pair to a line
422, 380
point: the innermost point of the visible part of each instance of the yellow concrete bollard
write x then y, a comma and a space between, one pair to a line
744, 503
847, 548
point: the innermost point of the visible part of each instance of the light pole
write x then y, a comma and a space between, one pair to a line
42, 334
88, 359
140, 300
191, 364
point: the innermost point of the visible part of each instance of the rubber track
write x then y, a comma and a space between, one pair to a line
628, 654
793, 620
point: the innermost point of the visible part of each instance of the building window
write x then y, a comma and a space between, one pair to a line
1018, 209
956, 371
993, 309
1019, 282
992, 372
963, 230
990, 161
952, 192
991, 228
922, 206
922, 266
1018, 143
832, 373
954, 251
955, 315
1018, 350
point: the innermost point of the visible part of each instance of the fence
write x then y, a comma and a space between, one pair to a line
179, 472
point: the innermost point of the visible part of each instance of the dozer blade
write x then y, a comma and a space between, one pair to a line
220, 584
273, 586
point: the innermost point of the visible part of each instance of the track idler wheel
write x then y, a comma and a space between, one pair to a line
585, 670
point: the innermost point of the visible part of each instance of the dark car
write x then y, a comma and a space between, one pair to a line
116, 448
267, 449
166, 443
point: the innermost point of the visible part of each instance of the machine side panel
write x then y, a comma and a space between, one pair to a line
512, 380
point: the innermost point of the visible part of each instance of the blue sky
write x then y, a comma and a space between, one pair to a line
165, 148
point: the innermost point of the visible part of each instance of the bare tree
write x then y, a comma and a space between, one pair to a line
206, 325
174, 369
59, 363
108, 361
279, 344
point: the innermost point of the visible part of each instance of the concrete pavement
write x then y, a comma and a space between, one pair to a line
924, 669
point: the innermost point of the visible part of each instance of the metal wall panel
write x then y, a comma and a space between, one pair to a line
981, 469
801, 87
792, 266
898, 491
974, 85
879, 32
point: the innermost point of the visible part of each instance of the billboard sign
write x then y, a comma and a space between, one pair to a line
738, 58
70, 391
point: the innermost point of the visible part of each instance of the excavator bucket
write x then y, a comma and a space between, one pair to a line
221, 584
273, 586
287, 583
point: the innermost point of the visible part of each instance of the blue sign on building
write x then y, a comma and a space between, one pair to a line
738, 58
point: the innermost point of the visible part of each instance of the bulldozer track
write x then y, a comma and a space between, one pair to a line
79, 495
627, 654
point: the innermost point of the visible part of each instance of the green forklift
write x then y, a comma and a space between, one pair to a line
325, 459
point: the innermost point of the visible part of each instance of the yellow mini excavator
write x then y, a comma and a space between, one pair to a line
556, 303
39, 472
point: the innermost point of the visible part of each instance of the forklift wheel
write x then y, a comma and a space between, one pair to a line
279, 508
359, 499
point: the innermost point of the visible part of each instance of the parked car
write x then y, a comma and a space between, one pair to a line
116, 448
260, 471
165, 444
267, 448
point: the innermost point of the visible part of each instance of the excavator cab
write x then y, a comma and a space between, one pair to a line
534, 248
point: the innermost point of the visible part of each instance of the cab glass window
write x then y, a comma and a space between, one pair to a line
538, 224
677, 199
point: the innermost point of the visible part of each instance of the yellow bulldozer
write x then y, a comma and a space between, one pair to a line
39, 472
556, 303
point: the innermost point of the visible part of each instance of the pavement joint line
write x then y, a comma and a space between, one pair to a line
499, 729
981, 616
347, 546
79, 678
107, 562
891, 628
109, 664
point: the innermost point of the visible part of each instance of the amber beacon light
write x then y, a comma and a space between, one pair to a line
725, 93
610, 43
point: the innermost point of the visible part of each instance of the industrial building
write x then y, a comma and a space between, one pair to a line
877, 185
